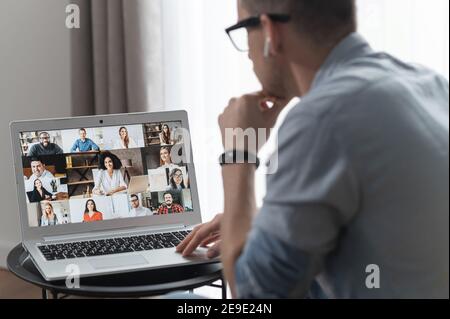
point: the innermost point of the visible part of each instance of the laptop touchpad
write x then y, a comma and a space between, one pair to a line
117, 261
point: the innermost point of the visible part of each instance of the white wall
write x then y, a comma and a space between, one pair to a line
34, 83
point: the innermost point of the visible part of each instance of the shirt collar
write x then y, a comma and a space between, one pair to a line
351, 47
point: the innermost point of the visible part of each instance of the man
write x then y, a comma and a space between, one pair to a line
359, 205
169, 207
137, 210
39, 171
84, 144
44, 147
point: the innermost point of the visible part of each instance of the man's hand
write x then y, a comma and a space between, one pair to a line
202, 236
252, 111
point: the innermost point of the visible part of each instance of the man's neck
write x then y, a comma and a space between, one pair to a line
305, 69
305, 73
304, 78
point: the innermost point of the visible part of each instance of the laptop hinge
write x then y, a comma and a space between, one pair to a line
113, 233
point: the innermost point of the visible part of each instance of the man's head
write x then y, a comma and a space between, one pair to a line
44, 139
313, 29
82, 133
168, 199
37, 167
134, 201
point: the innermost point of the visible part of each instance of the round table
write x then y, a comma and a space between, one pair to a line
133, 284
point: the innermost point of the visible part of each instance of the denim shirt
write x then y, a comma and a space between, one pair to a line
359, 205
86, 146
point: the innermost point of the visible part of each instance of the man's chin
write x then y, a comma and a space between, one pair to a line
277, 93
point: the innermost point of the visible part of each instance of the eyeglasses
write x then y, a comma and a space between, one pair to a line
238, 33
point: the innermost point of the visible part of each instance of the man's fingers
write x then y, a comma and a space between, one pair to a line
181, 246
197, 239
198, 235
273, 109
212, 238
214, 250
273, 103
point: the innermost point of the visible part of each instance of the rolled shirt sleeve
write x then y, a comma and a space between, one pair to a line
98, 183
94, 146
74, 146
269, 268
121, 180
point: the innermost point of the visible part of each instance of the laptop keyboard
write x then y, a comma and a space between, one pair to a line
112, 246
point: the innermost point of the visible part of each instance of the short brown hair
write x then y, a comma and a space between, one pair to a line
324, 21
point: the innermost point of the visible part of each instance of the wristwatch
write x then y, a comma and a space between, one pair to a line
238, 157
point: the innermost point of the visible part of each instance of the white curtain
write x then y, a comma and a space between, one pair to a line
116, 57
203, 70
413, 30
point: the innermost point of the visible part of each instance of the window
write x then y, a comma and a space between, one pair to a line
203, 70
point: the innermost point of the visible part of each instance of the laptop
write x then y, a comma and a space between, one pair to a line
80, 206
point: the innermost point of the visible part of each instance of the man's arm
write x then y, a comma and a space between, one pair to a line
270, 267
249, 112
240, 207
253, 270
32, 152
59, 150
74, 147
94, 146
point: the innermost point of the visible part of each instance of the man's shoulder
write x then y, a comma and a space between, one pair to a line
55, 147
360, 87
47, 174
34, 147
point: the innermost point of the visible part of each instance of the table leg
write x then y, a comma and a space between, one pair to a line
224, 288
54, 294
44, 293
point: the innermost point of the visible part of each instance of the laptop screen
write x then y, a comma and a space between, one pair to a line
87, 175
